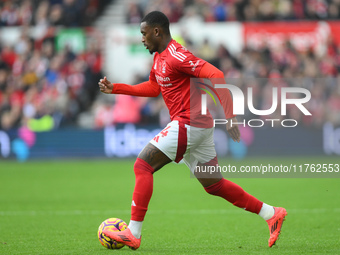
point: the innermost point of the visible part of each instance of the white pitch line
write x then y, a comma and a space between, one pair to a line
178, 212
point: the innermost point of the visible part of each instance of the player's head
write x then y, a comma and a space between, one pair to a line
154, 28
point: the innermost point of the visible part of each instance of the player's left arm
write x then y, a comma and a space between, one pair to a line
148, 88
196, 67
211, 72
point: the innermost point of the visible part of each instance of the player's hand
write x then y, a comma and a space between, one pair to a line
233, 130
105, 86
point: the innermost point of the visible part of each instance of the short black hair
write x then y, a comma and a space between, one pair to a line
155, 18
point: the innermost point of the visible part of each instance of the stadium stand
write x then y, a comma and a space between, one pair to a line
37, 79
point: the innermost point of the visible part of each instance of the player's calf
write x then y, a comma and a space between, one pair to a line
234, 194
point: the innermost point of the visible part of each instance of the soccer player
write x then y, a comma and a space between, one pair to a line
172, 69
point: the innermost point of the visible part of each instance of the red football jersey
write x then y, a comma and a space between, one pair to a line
172, 70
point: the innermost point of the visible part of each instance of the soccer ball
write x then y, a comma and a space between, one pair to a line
113, 224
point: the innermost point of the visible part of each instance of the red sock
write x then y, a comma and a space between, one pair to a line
143, 189
234, 194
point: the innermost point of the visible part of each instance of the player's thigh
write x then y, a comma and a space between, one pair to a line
162, 149
154, 157
203, 150
202, 158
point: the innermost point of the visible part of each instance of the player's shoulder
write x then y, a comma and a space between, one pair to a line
177, 52
178, 47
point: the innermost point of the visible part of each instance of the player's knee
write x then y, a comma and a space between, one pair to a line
141, 167
207, 182
212, 162
214, 187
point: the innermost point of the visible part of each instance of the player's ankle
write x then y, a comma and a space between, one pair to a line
267, 211
136, 228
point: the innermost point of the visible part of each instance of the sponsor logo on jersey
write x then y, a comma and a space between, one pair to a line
161, 80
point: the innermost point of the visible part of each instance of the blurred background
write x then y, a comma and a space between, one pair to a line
53, 53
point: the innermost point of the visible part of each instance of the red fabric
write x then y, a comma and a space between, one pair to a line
209, 71
172, 69
217, 76
144, 89
182, 142
143, 189
234, 194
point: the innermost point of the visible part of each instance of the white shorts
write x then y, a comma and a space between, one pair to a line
180, 141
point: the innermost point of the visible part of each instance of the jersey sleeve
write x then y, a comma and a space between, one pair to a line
216, 76
186, 62
144, 89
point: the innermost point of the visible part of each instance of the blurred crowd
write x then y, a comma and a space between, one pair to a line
38, 80
236, 10
70, 13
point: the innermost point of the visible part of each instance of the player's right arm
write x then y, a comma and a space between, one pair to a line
211, 72
145, 89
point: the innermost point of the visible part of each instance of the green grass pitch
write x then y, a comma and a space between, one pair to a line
55, 207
